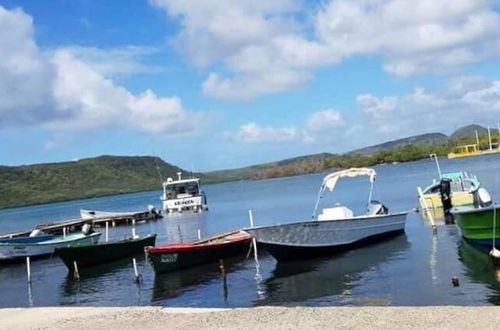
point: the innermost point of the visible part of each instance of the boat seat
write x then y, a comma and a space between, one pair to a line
336, 213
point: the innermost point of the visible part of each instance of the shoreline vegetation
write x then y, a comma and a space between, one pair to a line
111, 175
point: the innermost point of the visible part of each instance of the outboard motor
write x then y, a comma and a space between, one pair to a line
482, 198
445, 192
377, 208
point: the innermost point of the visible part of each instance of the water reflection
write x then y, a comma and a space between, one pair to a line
185, 227
480, 268
308, 279
171, 285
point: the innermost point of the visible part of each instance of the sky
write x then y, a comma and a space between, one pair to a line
210, 84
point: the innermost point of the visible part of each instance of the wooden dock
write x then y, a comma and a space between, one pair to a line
58, 227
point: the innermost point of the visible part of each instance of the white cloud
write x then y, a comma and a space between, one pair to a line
466, 100
253, 133
262, 47
24, 73
68, 88
115, 61
318, 123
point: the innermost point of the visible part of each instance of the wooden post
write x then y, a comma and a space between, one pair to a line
254, 242
224, 278
28, 269
180, 233
76, 274
136, 272
133, 228
199, 233
107, 231
64, 231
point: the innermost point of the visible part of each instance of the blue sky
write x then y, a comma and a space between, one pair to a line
212, 84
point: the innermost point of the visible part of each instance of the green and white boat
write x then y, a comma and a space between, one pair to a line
480, 223
86, 255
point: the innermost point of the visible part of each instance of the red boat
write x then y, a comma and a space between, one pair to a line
171, 257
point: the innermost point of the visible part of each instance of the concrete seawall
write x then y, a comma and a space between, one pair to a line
439, 317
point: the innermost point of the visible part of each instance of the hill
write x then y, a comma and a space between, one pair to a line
104, 175
468, 131
423, 139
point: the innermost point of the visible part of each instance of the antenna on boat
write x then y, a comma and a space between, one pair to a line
489, 137
158, 169
435, 157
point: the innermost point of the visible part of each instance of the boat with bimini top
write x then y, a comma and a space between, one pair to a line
335, 228
183, 195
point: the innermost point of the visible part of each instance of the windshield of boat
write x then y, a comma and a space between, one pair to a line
184, 189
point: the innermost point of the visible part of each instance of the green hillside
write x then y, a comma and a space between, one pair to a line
107, 175
104, 175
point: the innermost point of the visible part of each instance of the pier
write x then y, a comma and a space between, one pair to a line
66, 226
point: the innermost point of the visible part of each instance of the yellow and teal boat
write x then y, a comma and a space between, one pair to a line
452, 189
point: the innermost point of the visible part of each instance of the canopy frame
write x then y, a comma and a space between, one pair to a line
331, 179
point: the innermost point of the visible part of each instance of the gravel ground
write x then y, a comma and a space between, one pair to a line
441, 317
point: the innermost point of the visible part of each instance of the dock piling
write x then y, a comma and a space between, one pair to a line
76, 274
224, 278
107, 231
133, 229
254, 242
64, 231
136, 272
199, 233
28, 269
180, 233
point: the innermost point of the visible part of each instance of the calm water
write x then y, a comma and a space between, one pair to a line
414, 268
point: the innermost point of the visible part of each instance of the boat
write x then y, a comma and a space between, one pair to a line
175, 256
18, 250
336, 228
183, 195
471, 150
449, 190
87, 255
479, 224
150, 213
35, 236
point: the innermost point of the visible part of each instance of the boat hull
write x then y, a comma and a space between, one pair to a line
312, 238
288, 253
19, 251
172, 259
433, 201
476, 225
91, 255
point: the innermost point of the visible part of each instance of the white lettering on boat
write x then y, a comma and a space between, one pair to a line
168, 258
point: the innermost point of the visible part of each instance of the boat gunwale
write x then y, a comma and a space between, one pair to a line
472, 210
364, 217
193, 246
109, 243
55, 240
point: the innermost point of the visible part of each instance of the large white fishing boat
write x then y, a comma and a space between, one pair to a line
183, 195
335, 228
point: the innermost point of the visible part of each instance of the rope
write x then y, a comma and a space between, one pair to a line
248, 253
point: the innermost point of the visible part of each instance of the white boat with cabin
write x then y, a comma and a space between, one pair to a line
183, 195
334, 228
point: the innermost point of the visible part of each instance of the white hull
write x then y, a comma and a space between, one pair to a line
18, 251
181, 204
328, 233
91, 214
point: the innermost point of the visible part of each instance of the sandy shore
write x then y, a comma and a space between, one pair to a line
441, 317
